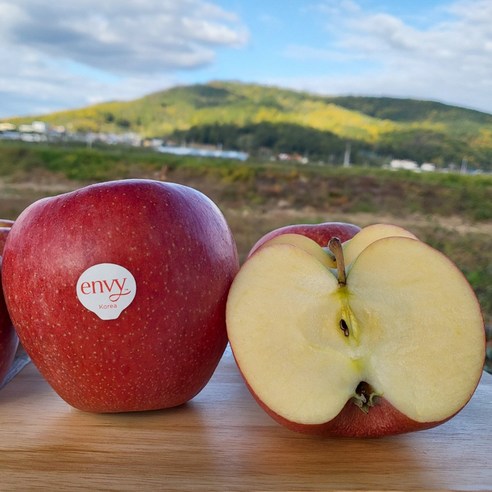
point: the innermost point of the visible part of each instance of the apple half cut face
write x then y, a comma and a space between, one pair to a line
390, 343
353, 247
307, 245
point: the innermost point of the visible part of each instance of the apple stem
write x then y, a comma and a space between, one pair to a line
335, 246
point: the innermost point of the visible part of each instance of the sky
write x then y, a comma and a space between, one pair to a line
64, 55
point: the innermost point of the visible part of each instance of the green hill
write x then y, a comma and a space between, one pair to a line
377, 128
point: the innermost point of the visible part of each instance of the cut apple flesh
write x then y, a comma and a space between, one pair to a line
353, 247
308, 245
406, 325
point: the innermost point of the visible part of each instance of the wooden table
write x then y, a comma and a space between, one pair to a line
223, 441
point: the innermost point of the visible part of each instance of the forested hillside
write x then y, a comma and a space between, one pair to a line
265, 120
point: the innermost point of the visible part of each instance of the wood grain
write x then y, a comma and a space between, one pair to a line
223, 441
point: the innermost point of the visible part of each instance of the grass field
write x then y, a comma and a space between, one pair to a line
451, 212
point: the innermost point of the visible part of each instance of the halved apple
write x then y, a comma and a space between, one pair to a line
392, 345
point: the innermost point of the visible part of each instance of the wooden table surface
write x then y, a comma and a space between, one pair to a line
223, 441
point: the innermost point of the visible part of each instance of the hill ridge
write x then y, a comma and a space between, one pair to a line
393, 126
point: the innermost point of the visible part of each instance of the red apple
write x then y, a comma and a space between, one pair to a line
8, 338
5, 226
391, 340
319, 233
118, 292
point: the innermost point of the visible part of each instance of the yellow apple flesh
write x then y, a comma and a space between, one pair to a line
397, 346
307, 245
353, 247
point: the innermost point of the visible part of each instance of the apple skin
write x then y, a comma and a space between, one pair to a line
320, 233
164, 347
5, 226
8, 337
8, 340
383, 419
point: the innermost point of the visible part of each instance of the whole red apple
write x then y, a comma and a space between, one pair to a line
118, 292
319, 233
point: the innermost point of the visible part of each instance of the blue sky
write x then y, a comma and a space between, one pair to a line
63, 55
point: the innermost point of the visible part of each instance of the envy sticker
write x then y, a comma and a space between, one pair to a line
106, 289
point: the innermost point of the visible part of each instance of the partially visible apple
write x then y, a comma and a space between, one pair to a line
391, 342
319, 233
118, 292
5, 226
8, 337
8, 340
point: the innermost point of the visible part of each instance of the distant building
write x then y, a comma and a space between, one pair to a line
283, 156
428, 167
26, 128
7, 127
39, 127
404, 164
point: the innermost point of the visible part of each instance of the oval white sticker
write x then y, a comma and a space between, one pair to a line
106, 289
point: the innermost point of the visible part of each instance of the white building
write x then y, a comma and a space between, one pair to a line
428, 167
7, 127
404, 164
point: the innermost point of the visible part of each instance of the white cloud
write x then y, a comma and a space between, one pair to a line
122, 36
448, 60
57, 55
63, 54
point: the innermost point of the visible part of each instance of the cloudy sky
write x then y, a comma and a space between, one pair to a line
59, 55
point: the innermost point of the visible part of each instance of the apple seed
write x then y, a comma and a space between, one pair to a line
344, 327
